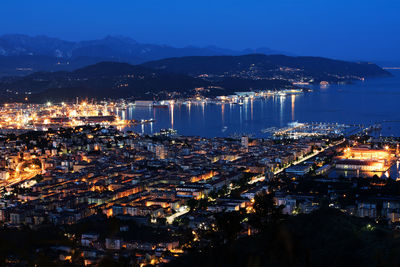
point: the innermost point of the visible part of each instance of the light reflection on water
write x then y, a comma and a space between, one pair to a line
362, 103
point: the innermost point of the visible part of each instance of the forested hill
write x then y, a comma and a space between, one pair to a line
121, 80
258, 66
183, 77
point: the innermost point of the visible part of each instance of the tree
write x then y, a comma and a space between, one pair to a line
265, 211
203, 203
213, 194
162, 221
77, 258
38, 178
229, 225
107, 261
192, 204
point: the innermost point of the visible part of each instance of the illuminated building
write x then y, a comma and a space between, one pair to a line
364, 159
362, 165
299, 169
245, 141
143, 103
160, 152
366, 154
4, 175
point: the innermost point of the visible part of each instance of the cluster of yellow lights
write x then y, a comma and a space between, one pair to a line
376, 159
366, 154
34, 116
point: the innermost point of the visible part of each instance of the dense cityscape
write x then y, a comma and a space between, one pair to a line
163, 195
202, 134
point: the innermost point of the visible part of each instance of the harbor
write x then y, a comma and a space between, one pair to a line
20, 118
262, 115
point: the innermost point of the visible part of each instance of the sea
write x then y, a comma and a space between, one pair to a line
361, 103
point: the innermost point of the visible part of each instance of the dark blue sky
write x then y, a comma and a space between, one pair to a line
350, 29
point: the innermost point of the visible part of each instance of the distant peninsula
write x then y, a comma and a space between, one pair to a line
184, 77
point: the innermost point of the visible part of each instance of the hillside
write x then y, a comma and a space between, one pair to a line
182, 77
101, 80
259, 66
121, 80
323, 238
21, 65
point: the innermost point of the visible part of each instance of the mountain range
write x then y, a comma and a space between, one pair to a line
182, 77
22, 54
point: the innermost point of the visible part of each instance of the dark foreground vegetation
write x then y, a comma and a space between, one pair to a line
326, 237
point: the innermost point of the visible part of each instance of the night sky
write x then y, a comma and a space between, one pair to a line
349, 29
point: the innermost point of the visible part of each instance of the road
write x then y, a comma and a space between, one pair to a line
171, 218
22, 177
310, 156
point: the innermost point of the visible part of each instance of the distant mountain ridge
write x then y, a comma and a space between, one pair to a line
260, 66
110, 46
182, 77
42, 53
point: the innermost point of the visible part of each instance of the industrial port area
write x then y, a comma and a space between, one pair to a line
20, 117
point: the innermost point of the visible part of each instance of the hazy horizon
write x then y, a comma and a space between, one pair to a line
352, 30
